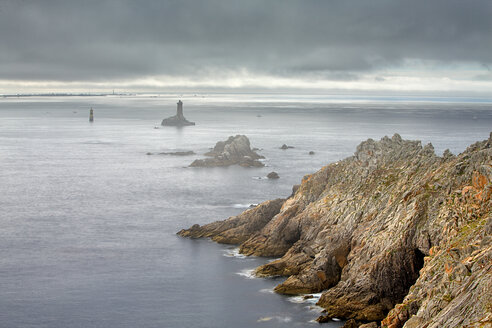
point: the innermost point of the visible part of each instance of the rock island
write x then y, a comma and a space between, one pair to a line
178, 119
234, 151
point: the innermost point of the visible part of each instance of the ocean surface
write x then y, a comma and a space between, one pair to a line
88, 219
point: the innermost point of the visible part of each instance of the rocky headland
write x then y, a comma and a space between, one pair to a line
234, 151
394, 236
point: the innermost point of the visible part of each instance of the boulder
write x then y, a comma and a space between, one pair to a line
273, 175
284, 147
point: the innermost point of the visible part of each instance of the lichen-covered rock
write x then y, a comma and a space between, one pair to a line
394, 232
235, 150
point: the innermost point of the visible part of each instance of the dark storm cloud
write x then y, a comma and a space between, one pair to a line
110, 39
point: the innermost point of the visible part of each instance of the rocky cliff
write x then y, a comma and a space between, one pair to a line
394, 235
233, 151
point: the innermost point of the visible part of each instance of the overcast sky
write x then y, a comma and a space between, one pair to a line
434, 46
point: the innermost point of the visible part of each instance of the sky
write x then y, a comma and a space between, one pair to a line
360, 46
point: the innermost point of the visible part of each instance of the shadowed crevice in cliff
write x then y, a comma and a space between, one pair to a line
392, 224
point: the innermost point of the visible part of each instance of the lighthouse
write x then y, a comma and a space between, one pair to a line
179, 112
178, 119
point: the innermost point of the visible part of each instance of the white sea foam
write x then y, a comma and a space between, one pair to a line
314, 299
277, 318
234, 253
314, 308
301, 299
267, 291
242, 205
247, 273
296, 299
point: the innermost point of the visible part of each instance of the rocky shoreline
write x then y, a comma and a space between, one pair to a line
394, 236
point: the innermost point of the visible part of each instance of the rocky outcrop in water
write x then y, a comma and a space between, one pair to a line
176, 153
234, 151
237, 229
394, 235
178, 119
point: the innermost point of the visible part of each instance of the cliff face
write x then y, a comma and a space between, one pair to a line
393, 232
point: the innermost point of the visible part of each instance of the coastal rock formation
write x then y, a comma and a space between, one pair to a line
393, 233
273, 175
237, 229
235, 150
284, 147
178, 119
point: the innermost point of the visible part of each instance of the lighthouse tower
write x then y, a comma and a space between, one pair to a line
179, 113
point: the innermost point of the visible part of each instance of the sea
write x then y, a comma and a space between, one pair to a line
89, 211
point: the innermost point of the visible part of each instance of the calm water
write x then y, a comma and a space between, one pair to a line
88, 220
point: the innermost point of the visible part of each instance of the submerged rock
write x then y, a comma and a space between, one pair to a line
284, 147
179, 153
234, 151
393, 232
178, 119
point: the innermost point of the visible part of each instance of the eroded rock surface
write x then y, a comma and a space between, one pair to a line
237, 229
234, 151
393, 233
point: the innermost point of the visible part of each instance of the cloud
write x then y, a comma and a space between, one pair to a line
107, 40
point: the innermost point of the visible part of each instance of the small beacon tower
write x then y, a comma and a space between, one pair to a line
91, 115
179, 112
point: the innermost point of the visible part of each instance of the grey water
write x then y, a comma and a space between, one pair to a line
88, 219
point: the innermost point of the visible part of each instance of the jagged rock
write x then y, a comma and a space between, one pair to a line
323, 319
178, 119
284, 147
235, 150
273, 175
237, 229
369, 325
351, 323
393, 232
